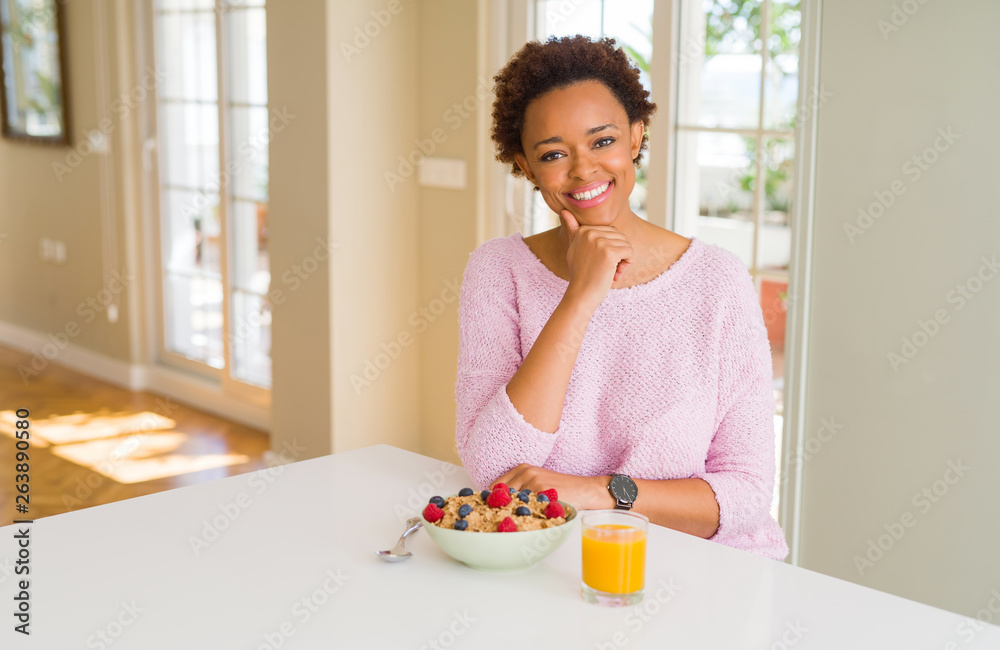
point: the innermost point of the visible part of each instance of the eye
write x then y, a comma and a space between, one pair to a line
609, 140
549, 156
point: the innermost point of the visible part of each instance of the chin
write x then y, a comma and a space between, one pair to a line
599, 218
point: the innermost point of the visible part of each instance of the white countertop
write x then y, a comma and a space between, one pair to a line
294, 567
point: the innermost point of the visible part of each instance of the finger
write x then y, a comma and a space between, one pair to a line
502, 479
508, 479
572, 225
620, 271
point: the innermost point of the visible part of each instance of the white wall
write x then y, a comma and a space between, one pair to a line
891, 97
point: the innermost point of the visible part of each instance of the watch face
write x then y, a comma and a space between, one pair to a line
624, 488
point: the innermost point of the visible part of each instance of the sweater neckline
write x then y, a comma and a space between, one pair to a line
676, 269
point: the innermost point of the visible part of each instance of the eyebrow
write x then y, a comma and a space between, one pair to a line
590, 131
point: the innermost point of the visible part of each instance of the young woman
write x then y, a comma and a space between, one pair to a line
618, 362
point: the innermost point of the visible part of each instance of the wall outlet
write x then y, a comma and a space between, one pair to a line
59, 252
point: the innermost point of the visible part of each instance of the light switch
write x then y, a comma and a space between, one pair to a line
446, 173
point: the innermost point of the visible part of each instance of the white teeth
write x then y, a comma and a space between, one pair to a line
597, 191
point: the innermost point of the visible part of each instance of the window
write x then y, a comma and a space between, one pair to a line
213, 129
737, 102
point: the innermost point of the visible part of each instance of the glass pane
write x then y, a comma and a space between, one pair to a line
193, 313
630, 23
189, 140
775, 243
781, 86
191, 237
251, 267
249, 135
726, 92
248, 152
186, 54
252, 338
721, 192
247, 31
563, 18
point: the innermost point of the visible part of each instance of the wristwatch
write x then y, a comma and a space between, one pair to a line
624, 490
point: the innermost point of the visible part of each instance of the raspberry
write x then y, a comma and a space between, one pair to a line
554, 510
498, 499
551, 494
507, 526
500, 486
432, 513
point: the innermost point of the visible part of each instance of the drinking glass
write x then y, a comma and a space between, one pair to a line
614, 556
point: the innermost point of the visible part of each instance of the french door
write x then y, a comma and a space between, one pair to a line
212, 132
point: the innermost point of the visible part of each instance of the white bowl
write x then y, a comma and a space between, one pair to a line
502, 552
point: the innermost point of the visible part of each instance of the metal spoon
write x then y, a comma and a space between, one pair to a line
398, 553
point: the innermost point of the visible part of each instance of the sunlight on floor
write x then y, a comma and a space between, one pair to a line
63, 429
126, 447
143, 457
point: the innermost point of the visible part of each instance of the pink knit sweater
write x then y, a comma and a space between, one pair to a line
673, 380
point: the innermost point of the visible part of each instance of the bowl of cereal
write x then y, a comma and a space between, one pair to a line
499, 530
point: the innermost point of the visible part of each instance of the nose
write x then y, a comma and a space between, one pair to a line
584, 165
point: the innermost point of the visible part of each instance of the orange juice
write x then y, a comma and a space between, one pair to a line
614, 558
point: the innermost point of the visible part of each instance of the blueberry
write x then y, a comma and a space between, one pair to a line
526, 490
523, 496
461, 524
512, 490
484, 495
465, 492
464, 510
523, 511
544, 498
438, 501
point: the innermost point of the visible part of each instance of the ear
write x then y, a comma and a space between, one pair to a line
522, 162
636, 132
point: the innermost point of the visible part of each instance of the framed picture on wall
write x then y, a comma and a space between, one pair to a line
33, 71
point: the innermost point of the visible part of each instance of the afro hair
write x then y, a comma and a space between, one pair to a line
540, 67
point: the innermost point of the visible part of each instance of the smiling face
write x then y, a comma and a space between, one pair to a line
578, 149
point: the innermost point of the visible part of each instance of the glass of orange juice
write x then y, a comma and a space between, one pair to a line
614, 556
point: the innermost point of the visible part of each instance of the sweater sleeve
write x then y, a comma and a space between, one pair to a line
740, 461
492, 436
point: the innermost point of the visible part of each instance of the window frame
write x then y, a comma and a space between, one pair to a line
241, 391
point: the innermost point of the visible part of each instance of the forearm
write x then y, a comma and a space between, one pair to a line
538, 388
686, 504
